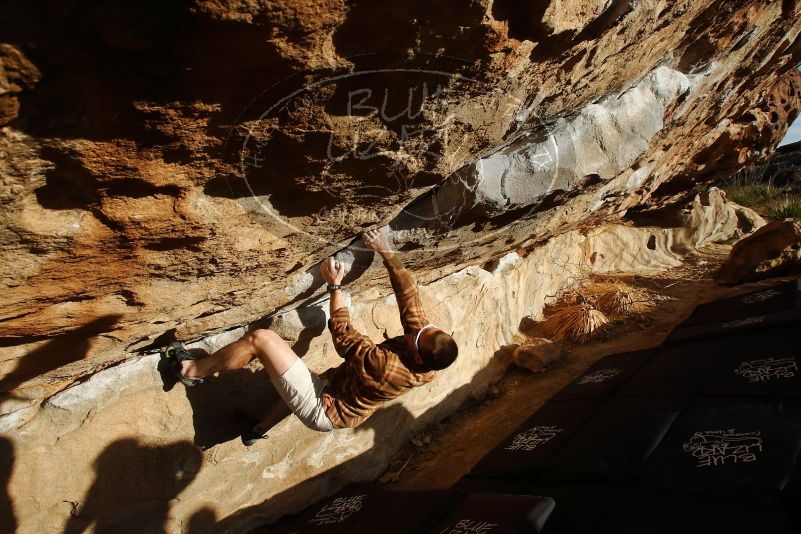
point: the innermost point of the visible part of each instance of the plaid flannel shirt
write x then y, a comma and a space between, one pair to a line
374, 374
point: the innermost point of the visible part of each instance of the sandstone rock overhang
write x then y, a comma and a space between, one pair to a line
178, 171
182, 176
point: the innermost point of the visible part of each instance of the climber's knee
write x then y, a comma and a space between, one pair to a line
265, 340
275, 354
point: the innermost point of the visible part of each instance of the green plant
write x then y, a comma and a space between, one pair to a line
748, 187
785, 207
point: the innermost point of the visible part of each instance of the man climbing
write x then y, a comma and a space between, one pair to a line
344, 396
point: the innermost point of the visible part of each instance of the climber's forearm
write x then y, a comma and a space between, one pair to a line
337, 301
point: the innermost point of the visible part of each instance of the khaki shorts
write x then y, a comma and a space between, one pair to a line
302, 391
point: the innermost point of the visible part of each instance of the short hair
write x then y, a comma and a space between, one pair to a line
443, 352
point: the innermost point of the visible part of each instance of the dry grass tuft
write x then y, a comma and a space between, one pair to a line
615, 301
618, 299
576, 322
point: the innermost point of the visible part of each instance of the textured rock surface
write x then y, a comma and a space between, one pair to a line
153, 190
773, 250
537, 354
75, 452
177, 169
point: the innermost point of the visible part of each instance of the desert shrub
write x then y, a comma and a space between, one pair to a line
788, 206
747, 188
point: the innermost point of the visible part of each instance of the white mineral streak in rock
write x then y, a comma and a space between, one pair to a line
346, 257
252, 457
602, 139
638, 177
278, 470
508, 261
75, 406
213, 343
303, 283
14, 417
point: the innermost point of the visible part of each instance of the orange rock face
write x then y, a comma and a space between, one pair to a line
174, 171
771, 251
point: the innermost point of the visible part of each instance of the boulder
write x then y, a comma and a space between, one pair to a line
773, 250
537, 354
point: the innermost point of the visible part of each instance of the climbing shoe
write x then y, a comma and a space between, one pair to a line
175, 353
251, 436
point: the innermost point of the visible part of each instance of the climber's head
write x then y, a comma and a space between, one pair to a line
434, 349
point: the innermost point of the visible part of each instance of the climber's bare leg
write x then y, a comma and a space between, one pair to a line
273, 352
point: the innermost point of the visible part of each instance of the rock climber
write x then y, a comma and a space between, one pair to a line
370, 375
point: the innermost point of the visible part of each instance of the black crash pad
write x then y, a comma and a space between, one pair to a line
593, 506
605, 376
754, 323
667, 512
765, 363
492, 513
780, 297
758, 364
532, 444
582, 507
676, 370
365, 509
618, 440
726, 446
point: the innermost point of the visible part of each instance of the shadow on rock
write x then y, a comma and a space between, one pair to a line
226, 406
57, 352
203, 521
385, 424
313, 324
8, 521
134, 486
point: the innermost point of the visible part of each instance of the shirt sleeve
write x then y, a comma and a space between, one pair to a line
348, 342
410, 306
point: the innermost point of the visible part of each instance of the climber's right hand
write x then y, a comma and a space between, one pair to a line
333, 271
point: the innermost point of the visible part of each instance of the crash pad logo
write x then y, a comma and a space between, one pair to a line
744, 322
533, 438
762, 296
469, 526
599, 376
767, 369
714, 448
338, 510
